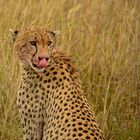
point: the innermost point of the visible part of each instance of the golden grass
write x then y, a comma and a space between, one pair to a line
103, 36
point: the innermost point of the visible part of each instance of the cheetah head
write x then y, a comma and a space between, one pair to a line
34, 46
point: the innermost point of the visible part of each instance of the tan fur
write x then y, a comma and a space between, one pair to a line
50, 101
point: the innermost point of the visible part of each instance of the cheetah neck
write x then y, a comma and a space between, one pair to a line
57, 58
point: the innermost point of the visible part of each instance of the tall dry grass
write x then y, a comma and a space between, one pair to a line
103, 36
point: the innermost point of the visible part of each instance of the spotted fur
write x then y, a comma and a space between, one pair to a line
50, 99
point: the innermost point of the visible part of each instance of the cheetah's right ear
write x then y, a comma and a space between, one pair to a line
55, 33
13, 34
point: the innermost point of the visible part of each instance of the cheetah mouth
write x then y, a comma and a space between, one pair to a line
36, 68
39, 66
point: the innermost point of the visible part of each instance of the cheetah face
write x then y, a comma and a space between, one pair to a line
34, 47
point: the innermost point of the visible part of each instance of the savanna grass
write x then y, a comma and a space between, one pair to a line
102, 36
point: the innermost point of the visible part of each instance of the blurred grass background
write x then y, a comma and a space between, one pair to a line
104, 38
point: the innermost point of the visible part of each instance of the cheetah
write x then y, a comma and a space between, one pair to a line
50, 99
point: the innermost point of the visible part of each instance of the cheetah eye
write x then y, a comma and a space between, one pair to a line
33, 43
49, 43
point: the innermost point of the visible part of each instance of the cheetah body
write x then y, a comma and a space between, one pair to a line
50, 101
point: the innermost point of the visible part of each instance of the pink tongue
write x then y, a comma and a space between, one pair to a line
42, 63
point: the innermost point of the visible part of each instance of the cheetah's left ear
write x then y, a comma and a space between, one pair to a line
55, 33
13, 34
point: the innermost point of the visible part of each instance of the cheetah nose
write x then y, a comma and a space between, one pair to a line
47, 58
42, 62
40, 58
